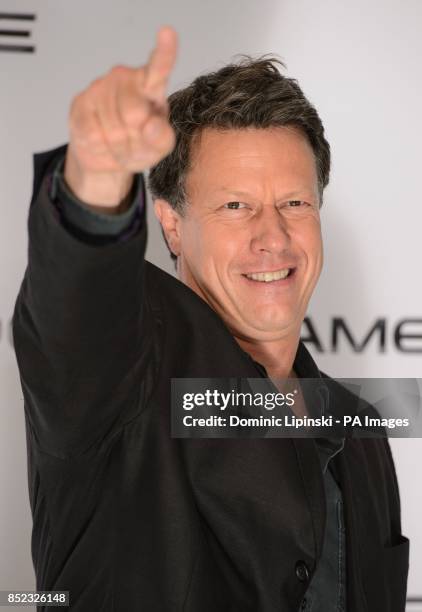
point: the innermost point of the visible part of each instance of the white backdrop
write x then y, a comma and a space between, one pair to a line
360, 65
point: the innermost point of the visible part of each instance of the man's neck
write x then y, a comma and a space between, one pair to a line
277, 357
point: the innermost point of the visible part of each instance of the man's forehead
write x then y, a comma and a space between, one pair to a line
248, 163
273, 146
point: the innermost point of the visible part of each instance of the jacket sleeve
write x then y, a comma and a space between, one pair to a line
76, 215
81, 327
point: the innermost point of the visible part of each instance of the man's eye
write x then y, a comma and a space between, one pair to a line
297, 203
234, 205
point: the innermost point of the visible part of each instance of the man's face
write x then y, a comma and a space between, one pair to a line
252, 217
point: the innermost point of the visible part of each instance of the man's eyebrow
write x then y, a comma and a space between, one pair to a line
298, 193
291, 194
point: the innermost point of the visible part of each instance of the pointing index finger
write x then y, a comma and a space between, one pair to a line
161, 62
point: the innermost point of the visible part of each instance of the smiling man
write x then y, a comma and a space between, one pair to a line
125, 516
250, 241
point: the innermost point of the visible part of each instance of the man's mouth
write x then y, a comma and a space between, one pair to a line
268, 277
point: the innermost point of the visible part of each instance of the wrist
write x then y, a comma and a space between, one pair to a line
106, 192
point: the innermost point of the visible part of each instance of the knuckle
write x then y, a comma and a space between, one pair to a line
166, 133
119, 71
166, 130
170, 141
78, 109
165, 143
75, 106
95, 86
168, 147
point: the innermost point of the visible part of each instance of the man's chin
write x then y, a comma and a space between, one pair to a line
266, 328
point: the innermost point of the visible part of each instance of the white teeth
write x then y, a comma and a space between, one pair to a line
269, 276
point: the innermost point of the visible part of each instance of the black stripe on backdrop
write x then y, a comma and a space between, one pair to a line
17, 48
18, 16
7, 47
22, 33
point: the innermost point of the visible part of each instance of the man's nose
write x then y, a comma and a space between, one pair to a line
270, 233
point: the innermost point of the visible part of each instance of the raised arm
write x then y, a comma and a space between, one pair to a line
81, 324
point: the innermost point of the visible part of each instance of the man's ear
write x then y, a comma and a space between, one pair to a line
170, 223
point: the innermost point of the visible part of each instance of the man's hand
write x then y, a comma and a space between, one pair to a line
119, 126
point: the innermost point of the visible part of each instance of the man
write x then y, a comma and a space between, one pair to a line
125, 516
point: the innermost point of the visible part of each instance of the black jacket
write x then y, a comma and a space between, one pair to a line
128, 518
